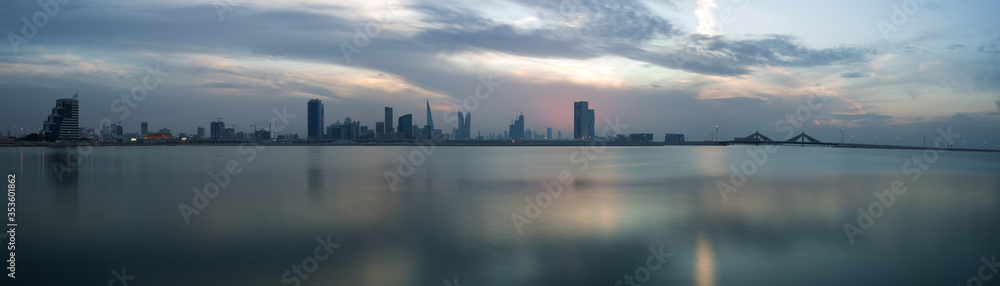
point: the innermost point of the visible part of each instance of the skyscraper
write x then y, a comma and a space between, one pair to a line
548, 133
464, 131
590, 124
460, 132
144, 129
406, 126
388, 120
517, 128
63, 123
218, 130
315, 124
201, 133
468, 126
430, 121
581, 112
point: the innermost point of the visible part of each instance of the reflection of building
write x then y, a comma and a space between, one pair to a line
581, 112
673, 138
63, 123
315, 114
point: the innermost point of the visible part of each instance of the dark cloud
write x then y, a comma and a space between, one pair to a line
853, 75
952, 47
223, 85
628, 21
864, 119
730, 56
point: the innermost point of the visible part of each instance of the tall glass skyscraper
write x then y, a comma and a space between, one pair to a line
315, 124
581, 120
64, 122
388, 120
406, 126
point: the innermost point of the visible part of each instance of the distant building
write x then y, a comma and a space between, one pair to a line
218, 130
388, 120
315, 117
548, 133
517, 128
673, 138
380, 130
335, 131
351, 130
63, 123
158, 137
581, 114
590, 124
201, 133
143, 129
430, 120
640, 137
406, 126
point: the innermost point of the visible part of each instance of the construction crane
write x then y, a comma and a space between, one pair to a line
255, 127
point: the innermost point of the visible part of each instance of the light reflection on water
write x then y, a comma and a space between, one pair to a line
452, 217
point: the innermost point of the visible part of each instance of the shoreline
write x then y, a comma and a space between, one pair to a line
489, 143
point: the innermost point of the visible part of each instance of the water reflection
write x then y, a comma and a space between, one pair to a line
452, 217
705, 262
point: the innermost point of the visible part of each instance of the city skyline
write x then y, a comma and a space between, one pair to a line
689, 66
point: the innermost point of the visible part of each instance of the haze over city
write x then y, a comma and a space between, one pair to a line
660, 66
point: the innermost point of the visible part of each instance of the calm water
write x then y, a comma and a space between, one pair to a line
452, 217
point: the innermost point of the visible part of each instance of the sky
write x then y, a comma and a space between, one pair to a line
892, 69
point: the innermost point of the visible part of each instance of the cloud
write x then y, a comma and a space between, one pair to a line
850, 75
706, 19
223, 85
952, 47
